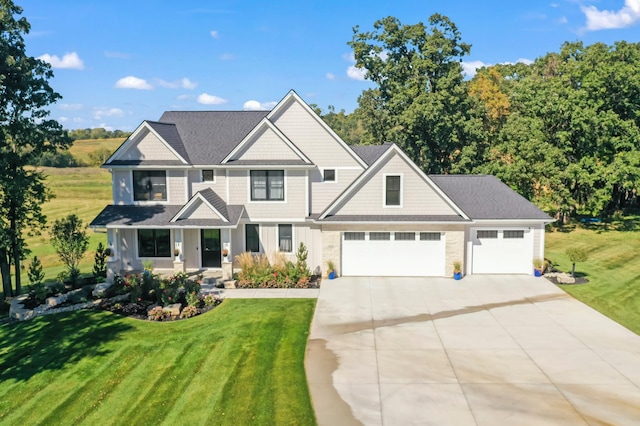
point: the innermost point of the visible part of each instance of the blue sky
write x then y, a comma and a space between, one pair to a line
117, 63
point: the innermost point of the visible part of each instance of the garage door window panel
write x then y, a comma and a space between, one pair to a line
513, 234
354, 236
487, 234
404, 236
430, 236
379, 236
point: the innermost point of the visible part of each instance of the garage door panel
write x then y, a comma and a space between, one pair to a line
502, 255
393, 258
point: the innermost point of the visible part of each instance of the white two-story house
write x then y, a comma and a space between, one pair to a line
195, 183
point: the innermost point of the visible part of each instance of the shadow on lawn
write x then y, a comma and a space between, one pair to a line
50, 342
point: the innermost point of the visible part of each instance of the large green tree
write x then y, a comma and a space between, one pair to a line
26, 132
420, 101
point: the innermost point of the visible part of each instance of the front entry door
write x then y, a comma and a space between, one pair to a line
211, 253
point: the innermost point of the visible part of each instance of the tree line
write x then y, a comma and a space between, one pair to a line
97, 133
563, 131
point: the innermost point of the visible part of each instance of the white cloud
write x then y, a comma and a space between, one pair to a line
184, 83
107, 128
330, 76
185, 97
227, 57
214, 34
207, 99
70, 107
131, 82
597, 19
258, 106
63, 119
100, 112
469, 67
68, 61
188, 84
356, 73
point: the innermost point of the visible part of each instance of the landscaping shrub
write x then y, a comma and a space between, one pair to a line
157, 314
69, 238
189, 311
100, 262
257, 272
211, 300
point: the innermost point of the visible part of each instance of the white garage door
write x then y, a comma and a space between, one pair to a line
502, 251
393, 254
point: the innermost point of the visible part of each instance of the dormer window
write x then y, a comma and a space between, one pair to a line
393, 190
149, 185
208, 176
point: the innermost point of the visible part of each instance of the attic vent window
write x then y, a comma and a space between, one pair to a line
329, 175
208, 176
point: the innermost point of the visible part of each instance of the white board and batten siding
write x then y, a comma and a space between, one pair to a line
382, 253
496, 250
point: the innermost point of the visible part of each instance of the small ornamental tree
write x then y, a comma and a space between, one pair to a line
35, 272
100, 262
575, 255
70, 240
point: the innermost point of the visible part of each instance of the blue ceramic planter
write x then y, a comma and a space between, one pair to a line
457, 276
332, 275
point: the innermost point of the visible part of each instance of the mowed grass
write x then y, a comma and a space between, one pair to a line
84, 191
241, 364
81, 148
613, 268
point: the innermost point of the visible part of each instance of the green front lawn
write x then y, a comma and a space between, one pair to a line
613, 268
242, 363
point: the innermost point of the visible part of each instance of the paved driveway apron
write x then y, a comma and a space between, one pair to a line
487, 350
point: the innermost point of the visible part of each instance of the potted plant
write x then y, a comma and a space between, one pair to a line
225, 253
331, 269
538, 267
148, 267
108, 252
176, 252
457, 270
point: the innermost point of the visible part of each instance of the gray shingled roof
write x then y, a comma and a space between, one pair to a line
145, 163
370, 153
208, 136
158, 215
217, 202
486, 197
267, 163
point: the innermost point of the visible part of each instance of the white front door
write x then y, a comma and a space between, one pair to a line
502, 251
411, 254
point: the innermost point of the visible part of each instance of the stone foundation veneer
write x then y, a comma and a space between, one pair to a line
331, 250
454, 250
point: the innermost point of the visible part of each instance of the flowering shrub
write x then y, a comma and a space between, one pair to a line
189, 311
212, 300
133, 285
193, 299
157, 314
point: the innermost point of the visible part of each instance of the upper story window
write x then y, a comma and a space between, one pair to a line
329, 175
267, 185
149, 185
208, 176
392, 190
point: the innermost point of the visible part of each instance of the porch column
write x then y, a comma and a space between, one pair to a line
178, 247
227, 261
113, 260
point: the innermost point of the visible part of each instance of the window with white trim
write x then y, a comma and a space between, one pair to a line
149, 185
154, 243
392, 190
267, 185
252, 237
285, 238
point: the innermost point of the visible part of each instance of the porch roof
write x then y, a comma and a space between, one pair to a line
159, 216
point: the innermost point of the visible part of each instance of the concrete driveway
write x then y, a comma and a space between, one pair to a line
486, 350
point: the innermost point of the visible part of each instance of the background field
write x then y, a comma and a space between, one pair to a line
84, 191
83, 147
